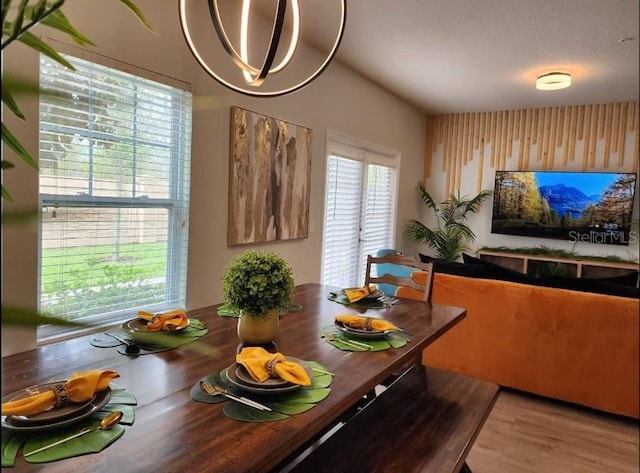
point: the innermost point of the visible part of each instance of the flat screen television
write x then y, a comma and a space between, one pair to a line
586, 207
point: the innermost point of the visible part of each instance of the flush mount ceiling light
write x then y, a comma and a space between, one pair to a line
254, 78
553, 81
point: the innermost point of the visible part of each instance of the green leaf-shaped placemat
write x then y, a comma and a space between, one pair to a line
170, 340
346, 342
11, 442
120, 395
153, 342
128, 413
398, 339
283, 405
237, 411
364, 304
94, 441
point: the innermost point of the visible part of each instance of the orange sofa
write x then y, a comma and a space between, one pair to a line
574, 346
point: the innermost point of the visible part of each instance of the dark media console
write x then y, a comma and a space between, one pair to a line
576, 268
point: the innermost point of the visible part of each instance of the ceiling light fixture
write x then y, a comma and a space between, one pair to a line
553, 81
255, 77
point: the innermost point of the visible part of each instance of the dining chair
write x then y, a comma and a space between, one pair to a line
410, 278
416, 285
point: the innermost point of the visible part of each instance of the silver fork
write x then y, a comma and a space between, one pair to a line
213, 390
388, 301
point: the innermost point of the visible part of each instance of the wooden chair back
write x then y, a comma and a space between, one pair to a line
417, 286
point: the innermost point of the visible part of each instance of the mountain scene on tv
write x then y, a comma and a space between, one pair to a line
586, 207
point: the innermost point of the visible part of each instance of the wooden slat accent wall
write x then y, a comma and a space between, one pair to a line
544, 138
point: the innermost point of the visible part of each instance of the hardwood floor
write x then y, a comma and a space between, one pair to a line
528, 434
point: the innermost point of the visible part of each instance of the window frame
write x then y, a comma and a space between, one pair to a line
369, 154
176, 203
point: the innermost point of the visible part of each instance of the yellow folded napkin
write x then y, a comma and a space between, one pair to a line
357, 293
167, 321
357, 321
262, 365
80, 387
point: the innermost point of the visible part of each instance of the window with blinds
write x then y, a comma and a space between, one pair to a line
114, 193
361, 190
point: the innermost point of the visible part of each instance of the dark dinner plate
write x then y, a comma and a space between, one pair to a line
51, 415
361, 332
140, 325
99, 401
278, 385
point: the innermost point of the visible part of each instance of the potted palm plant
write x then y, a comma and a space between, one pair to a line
258, 284
451, 234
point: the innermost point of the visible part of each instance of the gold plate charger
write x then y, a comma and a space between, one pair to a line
98, 402
270, 386
140, 325
50, 415
361, 332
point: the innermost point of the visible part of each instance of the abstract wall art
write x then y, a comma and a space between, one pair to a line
269, 179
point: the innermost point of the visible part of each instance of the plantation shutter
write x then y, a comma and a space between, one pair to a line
342, 220
378, 211
359, 212
114, 192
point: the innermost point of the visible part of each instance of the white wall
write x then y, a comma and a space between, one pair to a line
339, 100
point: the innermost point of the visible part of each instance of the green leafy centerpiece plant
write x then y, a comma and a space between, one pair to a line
450, 236
257, 284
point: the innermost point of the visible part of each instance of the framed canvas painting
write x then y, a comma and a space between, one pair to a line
269, 179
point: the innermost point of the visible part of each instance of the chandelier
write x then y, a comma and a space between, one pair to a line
251, 79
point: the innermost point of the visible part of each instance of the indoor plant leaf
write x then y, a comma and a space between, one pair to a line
57, 20
9, 101
12, 142
19, 216
138, 13
27, 317
451, 233
31, 40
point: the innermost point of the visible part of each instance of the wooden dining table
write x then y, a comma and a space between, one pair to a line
173, 433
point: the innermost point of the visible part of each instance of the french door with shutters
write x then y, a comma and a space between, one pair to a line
360, 204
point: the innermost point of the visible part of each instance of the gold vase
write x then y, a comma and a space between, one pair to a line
258, 330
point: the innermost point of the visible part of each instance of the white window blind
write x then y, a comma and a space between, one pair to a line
378, 212
359, 211
114, 193
342, 221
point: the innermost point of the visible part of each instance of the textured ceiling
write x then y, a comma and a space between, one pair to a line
481, 55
